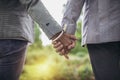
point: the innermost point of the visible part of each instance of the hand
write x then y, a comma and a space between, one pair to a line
64, 49
65, 39
59, 45
61, 49
64, 44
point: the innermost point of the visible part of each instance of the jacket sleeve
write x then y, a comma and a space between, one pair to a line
71, 15
40, 14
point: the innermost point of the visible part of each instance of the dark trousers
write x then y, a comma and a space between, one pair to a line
105, 60
12, 57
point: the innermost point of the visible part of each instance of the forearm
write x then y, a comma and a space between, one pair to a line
71, 15
40, 14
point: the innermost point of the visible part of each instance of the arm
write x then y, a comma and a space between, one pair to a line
41, 15
71, 15
49, 25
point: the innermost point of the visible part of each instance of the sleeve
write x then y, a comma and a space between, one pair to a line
71, 15
25, 1
40, 14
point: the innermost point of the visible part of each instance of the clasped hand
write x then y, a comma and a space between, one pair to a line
64, 44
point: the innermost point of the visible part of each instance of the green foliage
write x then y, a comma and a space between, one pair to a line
37, 41
46, 64
85, 72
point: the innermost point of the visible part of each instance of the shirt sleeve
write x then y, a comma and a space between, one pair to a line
71, 15
40, 14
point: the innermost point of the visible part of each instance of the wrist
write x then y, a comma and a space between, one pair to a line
57, 36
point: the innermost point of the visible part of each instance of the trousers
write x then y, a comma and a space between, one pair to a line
12, 58
105, 60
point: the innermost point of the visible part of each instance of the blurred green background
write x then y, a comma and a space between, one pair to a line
43, 63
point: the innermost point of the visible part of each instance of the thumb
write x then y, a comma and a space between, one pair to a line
73, 37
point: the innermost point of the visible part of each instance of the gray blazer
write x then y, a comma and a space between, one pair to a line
101, 20
16, 19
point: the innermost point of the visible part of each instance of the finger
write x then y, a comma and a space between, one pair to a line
62, 52
73, 37
54, 42
66, 56
71, 46
57, 45
59, 48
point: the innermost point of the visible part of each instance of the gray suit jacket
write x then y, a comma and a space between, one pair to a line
16, 19
101, 20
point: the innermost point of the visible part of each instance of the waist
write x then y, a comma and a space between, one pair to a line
16, 26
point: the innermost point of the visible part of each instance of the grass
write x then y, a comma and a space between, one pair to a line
46, 64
